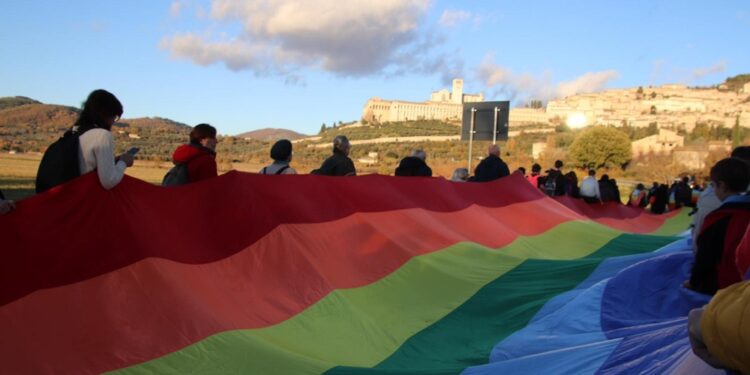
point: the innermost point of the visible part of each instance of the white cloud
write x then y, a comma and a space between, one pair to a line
452, 18
236, 55
176, 8
699, 73
524, 86
342, 37
657, 67
588, 82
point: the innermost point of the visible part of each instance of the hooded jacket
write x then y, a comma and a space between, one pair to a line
725, 326
201, 161
715, 264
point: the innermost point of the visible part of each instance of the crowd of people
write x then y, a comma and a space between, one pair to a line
720, 331
720, 229
720, 225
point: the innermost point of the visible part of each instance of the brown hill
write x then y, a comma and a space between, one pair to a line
15, 101
31, 127
269, 134
156, 137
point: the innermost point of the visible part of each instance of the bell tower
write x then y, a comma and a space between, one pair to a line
457, 95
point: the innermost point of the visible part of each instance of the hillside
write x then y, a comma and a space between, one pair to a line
15, 101
270, 134
392, 129
28, 126
735, 83
31, 127
156, 137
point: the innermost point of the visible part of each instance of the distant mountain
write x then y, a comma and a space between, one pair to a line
27, 125
155, 124
269, 134
15, 101
32, 127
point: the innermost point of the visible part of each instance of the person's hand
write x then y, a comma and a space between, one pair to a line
696, 339
127, 159
7, 206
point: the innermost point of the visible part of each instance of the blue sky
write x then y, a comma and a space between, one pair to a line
248, 64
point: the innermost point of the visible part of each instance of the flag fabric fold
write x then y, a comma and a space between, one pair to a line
310, 274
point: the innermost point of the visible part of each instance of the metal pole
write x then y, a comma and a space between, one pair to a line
471, 134
494, 133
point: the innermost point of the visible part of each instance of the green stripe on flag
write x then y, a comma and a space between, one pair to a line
364, 326
675, 225
466, 336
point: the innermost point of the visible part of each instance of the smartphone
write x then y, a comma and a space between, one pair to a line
133, 150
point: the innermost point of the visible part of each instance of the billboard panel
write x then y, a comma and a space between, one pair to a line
485, 114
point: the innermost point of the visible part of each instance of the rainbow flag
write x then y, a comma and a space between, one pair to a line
317, 275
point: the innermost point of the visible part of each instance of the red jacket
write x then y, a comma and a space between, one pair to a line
201, 162
742, 256
715, 264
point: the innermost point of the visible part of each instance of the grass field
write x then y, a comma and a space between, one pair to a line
18, 172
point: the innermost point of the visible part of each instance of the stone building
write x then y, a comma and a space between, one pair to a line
664, 142
691, 157
525, 116
670, 106
443, 105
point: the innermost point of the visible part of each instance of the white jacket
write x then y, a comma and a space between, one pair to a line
96, 152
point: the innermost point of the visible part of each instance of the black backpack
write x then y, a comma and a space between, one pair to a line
178, 175
60, 162
280, 171
550, 184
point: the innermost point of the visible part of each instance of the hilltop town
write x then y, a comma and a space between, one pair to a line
672, 130
675, 107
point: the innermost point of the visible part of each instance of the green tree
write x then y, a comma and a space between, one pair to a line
322, 128
736, 133
701, 131
599, 147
